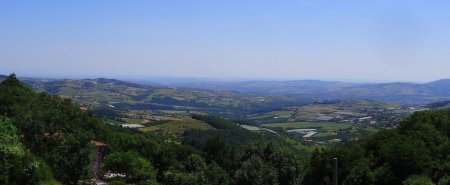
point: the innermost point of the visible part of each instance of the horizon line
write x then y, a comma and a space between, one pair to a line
150, 78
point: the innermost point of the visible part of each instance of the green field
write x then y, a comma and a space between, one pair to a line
300, 146
178, 127
369, 129
173, 131
113, 122
297, 125
134, 121
324, 134
268, 115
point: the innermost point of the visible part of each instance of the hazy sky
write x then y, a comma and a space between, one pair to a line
382, 40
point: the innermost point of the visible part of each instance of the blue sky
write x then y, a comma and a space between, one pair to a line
352, 40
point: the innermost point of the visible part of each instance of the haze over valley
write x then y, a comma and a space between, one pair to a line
294, 92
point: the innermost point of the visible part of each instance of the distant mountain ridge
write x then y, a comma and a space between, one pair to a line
439, 105
400, 92
3, 77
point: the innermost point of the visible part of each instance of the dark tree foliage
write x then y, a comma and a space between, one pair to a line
194, 170
105, 112
229, 130
135, 168
418, 146
286, 163
46, 140
163, 155
418, 180
18, 165
256, 171
53, 129
216, 122
216, 149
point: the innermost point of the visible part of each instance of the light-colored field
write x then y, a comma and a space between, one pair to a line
273, 114
250, 128
165, 118
134, 121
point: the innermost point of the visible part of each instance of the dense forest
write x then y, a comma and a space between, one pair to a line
48, 140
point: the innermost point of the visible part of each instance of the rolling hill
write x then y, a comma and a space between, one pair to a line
400, 92
124, 96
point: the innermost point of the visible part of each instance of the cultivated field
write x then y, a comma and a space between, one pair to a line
297, 125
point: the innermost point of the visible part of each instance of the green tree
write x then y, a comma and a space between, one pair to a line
406, 156
217, 150
418, 180
287, 163
190, 172
255, 171
445, 180
360, 174
134, 167
69, 154
53, 129
216, 175
194, 170
319, 169
17, 165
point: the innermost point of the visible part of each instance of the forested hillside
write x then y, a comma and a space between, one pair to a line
416, 152
125, 96
49, 140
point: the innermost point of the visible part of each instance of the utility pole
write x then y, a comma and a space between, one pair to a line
335, 171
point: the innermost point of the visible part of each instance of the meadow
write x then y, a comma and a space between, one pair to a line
297, 125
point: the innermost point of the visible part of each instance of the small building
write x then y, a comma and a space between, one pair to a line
97, 157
